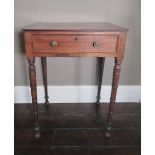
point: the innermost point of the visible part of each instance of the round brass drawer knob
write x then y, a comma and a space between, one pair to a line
54, 43
96, 44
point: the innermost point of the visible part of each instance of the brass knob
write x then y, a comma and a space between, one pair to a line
96, 44
54, 43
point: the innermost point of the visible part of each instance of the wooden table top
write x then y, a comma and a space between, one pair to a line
100, 26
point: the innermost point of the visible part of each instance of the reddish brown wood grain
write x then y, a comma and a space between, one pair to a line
74, 40
115, 81
121, 45
33, 85
111, 44
73, 54
98, 26
28, 45
74, 43
110, 37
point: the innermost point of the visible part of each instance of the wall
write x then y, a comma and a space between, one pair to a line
79, 71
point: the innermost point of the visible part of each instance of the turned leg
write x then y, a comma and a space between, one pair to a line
115, 81
99, 79
33, 85
44, 72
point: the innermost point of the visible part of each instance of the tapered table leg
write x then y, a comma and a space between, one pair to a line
115, 81
100, 61
44, 72
33, 85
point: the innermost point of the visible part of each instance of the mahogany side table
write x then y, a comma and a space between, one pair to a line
74, 40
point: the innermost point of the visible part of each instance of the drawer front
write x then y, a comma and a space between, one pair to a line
74, 43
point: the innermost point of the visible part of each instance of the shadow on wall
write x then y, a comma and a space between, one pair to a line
21, 42
23, 60
79, 71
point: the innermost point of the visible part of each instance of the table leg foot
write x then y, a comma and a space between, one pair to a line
37, 132
107, 132
46, 103
37, 135
98, 101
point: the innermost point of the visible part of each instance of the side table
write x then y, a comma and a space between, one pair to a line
99, 40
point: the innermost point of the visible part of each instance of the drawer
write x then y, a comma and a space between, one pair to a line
74, 43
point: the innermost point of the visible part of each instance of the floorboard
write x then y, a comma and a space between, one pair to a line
78, 129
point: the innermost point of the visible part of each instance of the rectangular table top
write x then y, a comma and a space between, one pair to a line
99, 26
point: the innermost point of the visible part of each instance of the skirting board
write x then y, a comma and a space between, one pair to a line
78, 94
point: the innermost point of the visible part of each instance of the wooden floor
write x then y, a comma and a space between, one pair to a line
78, 129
